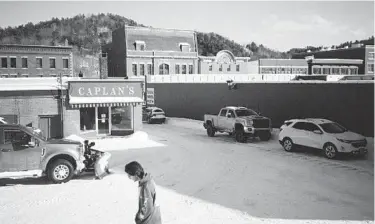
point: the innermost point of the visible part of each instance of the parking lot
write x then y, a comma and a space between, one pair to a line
209, 179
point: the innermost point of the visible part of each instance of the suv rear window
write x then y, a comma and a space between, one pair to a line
158, 110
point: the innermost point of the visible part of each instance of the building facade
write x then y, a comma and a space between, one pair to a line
364, 53
35, 61
224, 62
80, 107
282, 66
139, 51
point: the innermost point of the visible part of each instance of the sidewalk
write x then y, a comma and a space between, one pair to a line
114, 200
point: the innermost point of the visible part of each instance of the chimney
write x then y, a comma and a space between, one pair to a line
66, 42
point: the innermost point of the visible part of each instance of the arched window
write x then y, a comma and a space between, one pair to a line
164, 69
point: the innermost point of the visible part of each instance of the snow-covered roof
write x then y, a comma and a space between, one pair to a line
29, 84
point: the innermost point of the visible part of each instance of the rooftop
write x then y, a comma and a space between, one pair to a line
160, 39
335, 61
35, 46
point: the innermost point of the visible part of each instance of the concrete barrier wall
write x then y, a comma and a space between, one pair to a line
351, 104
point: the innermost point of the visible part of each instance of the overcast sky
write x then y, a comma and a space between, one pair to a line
279, 25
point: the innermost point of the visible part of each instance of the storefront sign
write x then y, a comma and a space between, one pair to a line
150, 96
105, 89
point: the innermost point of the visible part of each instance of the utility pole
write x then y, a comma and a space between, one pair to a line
146, 89
61, 102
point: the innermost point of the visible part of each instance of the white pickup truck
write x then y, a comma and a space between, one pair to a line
240, 122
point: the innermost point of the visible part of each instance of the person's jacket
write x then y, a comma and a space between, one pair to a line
148, 212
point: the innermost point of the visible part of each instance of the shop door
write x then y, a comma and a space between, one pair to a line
103, 120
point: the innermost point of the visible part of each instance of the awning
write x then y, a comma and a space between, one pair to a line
79, 102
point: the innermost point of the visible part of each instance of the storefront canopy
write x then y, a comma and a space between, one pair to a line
79, 102
105, 93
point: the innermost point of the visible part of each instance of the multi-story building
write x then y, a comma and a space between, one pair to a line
357, 51
35, 61
138, 51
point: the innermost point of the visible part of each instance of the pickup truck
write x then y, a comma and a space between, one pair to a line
240, 122
25, 152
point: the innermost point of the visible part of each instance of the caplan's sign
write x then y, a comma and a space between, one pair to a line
105, 89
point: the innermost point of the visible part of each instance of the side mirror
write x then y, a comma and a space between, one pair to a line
318, 132
229, 115
31, 144
91, 144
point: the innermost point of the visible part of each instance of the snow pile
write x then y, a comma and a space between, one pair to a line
114, 200
75, 138
137, 140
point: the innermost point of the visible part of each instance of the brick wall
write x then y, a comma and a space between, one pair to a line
28, 107
71, 121
31, 53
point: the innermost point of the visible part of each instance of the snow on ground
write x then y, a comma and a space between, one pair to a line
197, 124
114, 200
137, 140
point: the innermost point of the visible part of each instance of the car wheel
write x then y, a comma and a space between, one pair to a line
210, 131
330, 151
265, 136
288, 144
60, 171
240, 136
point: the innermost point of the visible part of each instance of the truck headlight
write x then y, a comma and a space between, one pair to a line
249, 123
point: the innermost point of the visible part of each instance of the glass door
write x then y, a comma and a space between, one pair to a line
103, 120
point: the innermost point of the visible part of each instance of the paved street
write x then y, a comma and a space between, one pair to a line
259, 178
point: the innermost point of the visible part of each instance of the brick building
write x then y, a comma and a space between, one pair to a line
35, 61
136, 51
139, 51
103, 107
364, 53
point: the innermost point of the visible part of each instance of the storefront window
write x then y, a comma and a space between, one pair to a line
87, 119
326, 71
344, 71
121, 118
317, 70
336, 71
353, 71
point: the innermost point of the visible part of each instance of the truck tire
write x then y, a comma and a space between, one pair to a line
210, 131
240, 136
60, 171
265, 136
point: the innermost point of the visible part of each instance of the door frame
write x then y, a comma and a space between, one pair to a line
97, 122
